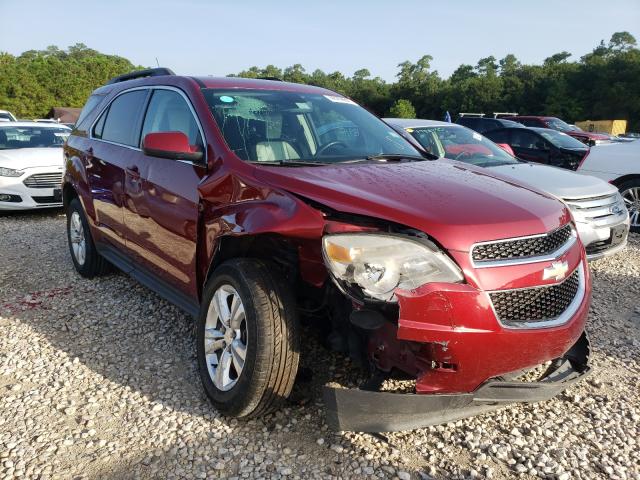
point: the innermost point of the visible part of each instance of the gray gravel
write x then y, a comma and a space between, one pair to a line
98, 380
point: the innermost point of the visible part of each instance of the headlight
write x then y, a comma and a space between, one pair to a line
378, 264
9, 172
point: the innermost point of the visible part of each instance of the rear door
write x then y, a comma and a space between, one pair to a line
115, 143
529, 146
162, 201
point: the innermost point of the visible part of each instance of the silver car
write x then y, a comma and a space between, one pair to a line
600, 214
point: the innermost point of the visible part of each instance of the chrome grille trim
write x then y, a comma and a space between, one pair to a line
44, 180
561, 319
524, 260
597, 210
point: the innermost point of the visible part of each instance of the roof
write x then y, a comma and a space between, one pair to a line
417, 122
541, 117
256, 83
64, 114
33, 124
212, 82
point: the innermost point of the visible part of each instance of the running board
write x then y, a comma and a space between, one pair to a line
160, 287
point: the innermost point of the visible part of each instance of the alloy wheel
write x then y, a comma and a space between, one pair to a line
225, 338
631, 198
76, 237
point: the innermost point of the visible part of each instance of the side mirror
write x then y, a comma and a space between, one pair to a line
173, 145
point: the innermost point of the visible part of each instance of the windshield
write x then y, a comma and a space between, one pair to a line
279, 127
463, 144
560, 139
558, 124
31, 137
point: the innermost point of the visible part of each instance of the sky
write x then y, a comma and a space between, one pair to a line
218, 37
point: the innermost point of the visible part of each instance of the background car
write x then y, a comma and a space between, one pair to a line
31, 165
618, 164
6, 116
597, 208
542, 145
554, 123
482, 124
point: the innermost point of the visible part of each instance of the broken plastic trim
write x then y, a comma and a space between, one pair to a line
367, 411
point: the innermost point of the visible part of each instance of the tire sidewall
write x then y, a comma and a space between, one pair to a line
86, 268
237, 398
625, 186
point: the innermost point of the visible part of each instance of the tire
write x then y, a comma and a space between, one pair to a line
91, 263
268, 333
630, 191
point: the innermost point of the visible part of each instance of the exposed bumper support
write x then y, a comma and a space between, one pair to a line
367, 411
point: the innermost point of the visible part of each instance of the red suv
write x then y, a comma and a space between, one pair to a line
253, 204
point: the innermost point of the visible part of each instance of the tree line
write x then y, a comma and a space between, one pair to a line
602, 84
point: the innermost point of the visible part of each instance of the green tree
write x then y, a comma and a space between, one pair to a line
402, 109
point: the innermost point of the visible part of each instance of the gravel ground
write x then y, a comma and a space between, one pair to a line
98, 380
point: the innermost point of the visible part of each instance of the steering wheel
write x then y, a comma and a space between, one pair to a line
463, 154
326, 146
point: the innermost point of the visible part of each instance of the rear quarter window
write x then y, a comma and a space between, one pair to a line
89, 107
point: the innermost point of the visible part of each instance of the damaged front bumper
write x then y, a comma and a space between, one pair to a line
371, 411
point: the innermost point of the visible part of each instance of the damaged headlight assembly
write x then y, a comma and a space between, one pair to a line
379, 263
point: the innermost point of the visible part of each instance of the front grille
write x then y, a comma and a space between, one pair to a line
44, 180
603, 210
52, 199
522, 247
534, 305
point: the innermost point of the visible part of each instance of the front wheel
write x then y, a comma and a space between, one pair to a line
247, 342
630, 192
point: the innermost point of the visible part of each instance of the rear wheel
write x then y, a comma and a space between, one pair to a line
630, 192
86, 259
248, 347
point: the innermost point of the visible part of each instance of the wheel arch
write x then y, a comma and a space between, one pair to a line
625, 178
68, 194
279, 228
265, 246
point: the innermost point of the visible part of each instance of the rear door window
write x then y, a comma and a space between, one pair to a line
121, 122
499, 136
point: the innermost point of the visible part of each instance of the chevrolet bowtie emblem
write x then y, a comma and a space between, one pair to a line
557, 270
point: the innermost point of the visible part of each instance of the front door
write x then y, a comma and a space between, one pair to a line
162, 201
529, 146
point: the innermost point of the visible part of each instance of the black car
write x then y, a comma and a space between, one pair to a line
542, 145
482, 124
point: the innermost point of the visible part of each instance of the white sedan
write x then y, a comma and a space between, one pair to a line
597, 208
618, 164
31, 165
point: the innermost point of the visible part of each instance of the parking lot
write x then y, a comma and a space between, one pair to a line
98, 380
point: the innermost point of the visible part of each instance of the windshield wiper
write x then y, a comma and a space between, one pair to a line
290, 163
396, 157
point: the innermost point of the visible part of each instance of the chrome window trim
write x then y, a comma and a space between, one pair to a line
524, 260
563, 318
203, 163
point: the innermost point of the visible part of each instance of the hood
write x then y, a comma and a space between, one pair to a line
559, 182
454, 203
21, 158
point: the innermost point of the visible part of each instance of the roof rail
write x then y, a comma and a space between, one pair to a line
471, 114
275, 79
149, 72
504, 114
